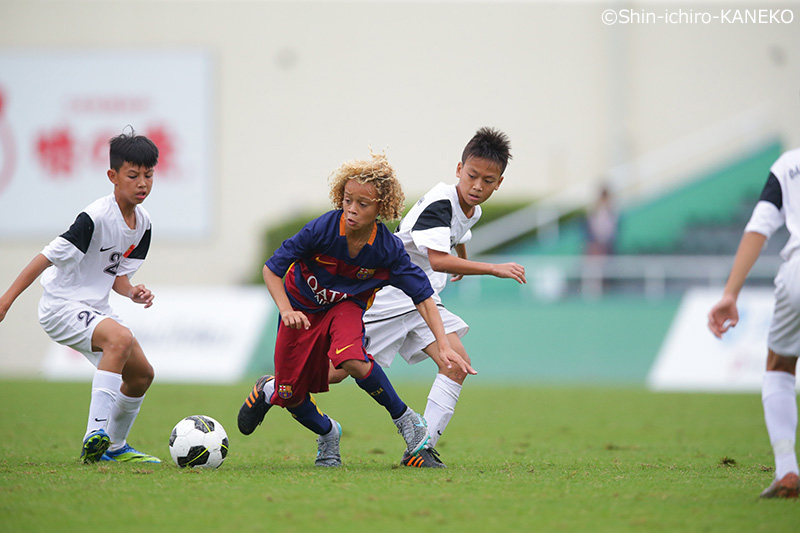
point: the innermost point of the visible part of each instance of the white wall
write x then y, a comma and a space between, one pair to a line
302, 86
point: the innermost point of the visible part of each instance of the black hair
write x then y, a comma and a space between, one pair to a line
135, 149
491, 144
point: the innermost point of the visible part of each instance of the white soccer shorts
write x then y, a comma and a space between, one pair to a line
784, 329
408, 335
72, 324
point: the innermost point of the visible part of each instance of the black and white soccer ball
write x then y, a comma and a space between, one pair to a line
198, 441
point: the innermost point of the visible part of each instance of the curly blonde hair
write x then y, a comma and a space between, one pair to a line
380, 174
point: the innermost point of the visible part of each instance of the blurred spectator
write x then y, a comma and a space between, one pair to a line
601, 225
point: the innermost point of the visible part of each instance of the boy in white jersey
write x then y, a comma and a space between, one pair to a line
779, 204
102, 249
439, 222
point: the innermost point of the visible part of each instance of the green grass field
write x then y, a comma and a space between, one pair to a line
519, 459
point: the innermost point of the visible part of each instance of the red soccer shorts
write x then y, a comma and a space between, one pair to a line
302, 355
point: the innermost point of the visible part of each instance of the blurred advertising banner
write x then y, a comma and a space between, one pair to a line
59, 109
189, 334
692, 359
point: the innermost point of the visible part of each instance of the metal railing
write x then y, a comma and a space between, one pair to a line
646, 176
591, 277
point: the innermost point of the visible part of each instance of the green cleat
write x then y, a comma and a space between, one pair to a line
94, 446
127, 454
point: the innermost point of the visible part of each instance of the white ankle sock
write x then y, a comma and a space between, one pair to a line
122, 417
780, 414
269, 390
441, 405
105, 388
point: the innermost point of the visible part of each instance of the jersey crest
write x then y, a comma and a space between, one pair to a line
285, 391
365, 273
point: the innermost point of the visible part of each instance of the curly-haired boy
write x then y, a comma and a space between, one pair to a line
322, 280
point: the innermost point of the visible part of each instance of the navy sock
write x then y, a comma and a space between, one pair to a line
377, 385
308, 414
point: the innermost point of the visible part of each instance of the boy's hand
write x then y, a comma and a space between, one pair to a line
723, 316
450, 357
457, 277
295, 319
142, 295
511, 270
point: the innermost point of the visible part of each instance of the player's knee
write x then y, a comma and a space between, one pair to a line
456, 374
337, 375
120, 342
781, 363
356, 368
147, 375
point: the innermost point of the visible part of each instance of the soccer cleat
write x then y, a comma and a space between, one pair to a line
427, 457
127, 454
255, 407
786, 487
94, 446
328, 447
414, 430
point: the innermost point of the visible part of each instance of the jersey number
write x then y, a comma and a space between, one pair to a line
116, 259
87, 317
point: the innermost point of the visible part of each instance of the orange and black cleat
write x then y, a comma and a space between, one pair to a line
425, 458
255, 407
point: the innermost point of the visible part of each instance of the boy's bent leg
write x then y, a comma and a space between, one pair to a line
137, 375
115, 341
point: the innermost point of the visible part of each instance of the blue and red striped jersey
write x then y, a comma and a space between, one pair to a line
318, 271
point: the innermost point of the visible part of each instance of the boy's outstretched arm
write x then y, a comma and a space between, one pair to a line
461, 266
137, 293
725, 315
427, 308
28, 275
290, 317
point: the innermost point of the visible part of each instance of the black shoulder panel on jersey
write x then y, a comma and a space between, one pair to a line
140, 252
80, 232
772, 192
438, 214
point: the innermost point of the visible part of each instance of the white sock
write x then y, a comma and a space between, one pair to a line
105, 388
122, 417
780, 413
269, 390
441, 405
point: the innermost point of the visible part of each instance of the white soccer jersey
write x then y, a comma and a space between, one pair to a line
98, 247
436, 222
780, 202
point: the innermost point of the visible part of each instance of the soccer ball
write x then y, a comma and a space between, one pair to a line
198, 441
